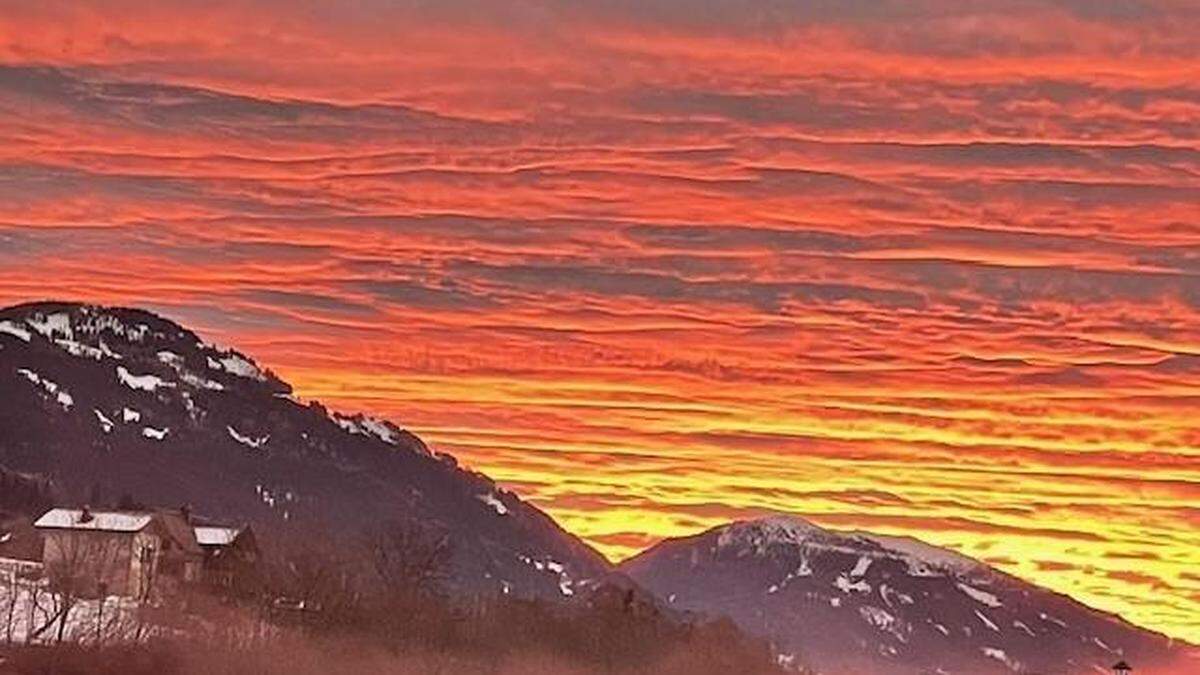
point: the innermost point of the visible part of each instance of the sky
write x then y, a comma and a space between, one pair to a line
925, 268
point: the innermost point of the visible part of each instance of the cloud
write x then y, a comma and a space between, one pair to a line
922, 267
413, 294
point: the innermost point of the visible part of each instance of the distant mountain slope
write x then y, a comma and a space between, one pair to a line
854, 603
109, 402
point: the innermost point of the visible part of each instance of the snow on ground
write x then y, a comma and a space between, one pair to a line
235, 364
177, 364
27, 608
844, 584
380, 430
1023, 626
10, 328
891, 596
802, 571
95, 322
50, 325
565, 583
363, 425
861, 567
1051, 619
999, 655
90, 321
982, 597
758, 535
877, 617
265, 495
986, 621
148, 383
58, 393
274, 498
105, 423
130, 415
156, 434
201, 382
252, 443
493, 501
81, 350
924, 560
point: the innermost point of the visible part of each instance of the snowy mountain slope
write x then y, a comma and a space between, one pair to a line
847, 602
109, 402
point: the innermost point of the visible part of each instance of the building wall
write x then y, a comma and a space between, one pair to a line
144, 567
88, 559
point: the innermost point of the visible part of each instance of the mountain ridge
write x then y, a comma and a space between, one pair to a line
886, 604
113, 401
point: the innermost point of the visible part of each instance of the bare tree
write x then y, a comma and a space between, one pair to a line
10, 609
410, 560
310, 582
78, 566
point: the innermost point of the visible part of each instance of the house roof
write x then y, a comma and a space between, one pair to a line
177, 526
217, 535
105, 521
173, 523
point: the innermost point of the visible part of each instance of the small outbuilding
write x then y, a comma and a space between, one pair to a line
230, 554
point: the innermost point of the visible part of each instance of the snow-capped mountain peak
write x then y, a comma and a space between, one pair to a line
857, 602
758, 536
782, 533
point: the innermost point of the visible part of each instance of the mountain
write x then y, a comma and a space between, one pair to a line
109, 403
857, 603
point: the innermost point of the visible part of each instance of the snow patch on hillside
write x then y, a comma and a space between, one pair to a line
986, 621
236, 364
999, 655
10, 328
843, 584
924, 560
150, 383
86, 351
363, 425
861, 567
105, 423
982, 597
804, 570
155, 434
179, 365
884, 621
493, 501
52, 389
50, 325
252, 443
566, 585
759, 535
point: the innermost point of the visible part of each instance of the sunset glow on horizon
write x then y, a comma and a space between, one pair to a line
920, 268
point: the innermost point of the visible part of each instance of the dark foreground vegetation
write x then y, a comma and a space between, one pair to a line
384, 605
519, 638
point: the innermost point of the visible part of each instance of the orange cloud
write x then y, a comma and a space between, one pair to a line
924, 269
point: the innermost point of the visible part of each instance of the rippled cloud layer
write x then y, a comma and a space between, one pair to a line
929, 268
